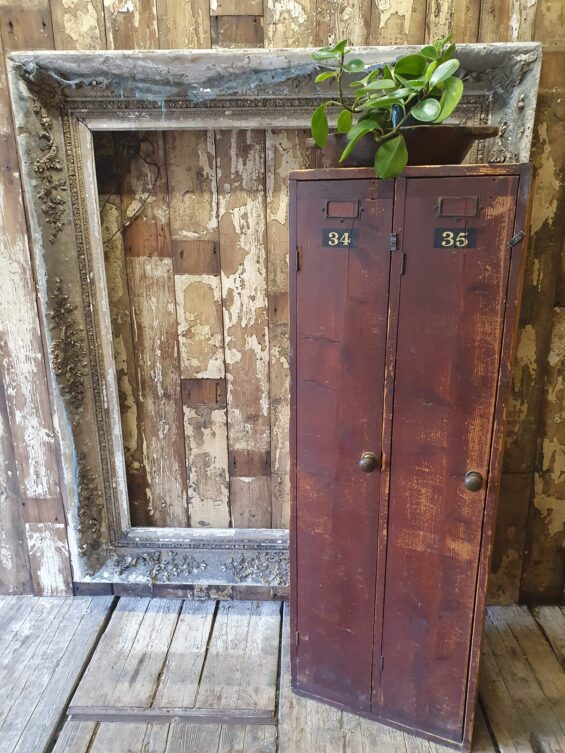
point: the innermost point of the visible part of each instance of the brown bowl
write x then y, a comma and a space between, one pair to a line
427, 145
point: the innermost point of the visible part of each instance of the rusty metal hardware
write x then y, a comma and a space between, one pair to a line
473, 481
368, 462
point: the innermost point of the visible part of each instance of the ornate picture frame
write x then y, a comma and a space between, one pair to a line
59, 99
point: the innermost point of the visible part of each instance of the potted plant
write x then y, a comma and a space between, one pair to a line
385, 121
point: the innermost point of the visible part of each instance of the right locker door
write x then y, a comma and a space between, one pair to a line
450, 322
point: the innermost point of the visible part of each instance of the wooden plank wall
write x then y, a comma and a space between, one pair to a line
204, 244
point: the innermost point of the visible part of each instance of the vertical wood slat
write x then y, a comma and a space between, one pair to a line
285, 151
456, 17
290, 23
183, 24
78, 24
507, 20
241, 208
337, 20
131, 25
401, 22
23, 368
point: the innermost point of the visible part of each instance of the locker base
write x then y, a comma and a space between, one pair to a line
462, 746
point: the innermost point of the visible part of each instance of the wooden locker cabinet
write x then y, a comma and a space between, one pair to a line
404, 303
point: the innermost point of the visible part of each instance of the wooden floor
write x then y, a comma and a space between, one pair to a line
107, 675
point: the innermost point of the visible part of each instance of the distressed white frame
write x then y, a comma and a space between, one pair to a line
58, 100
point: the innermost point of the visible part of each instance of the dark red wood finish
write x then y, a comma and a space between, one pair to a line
451, 316
341, 315
439, 391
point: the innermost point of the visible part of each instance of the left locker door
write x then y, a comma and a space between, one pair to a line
340, 289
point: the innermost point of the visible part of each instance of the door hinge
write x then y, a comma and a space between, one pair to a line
516, 239
297, 637
393, 242
297, 260
403, 263
382, 663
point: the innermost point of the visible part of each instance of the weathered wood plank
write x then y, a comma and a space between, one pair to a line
285, 151
178, 684
75, 737
142, 715
552, 622
152, 296
183, 24
15, 575
507, 20
22, 364
200, 333
131, 25
509, 540
290, 23
59, 668
550, 20
39, 671
25, 26
78, 24
456, 17
237, 31
241, 195
117, 738
241, 666
137, 642
402, 22
336, 20
514, 701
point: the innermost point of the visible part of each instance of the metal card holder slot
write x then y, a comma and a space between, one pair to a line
341, 210
457, 206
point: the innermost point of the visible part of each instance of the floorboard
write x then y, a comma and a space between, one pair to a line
40, 666
201, 677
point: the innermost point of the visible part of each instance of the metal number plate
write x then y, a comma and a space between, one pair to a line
339, 238
455, 237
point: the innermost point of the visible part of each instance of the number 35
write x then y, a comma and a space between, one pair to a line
449, 239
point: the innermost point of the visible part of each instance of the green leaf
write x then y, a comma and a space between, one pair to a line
354, 66
325, 76
443, 71
429, 52
358, 131
391, 158
392, 99
430, 69
325, 54
450, 98
411, 65
381, 83
319, 125
344, 121
426, 110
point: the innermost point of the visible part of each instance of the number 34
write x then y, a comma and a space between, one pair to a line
339, 239
449, 239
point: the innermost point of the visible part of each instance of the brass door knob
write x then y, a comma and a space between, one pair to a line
473, 481
368, 462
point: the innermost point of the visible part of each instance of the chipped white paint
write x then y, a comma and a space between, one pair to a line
547, 184
76, 25
207, 466
244, 289
290, 23
193, 199
199, 316
22, 359
49, 553
402, 8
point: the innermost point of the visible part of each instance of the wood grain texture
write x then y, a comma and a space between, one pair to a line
45, 659
131, 24
26, 26
237, 31
152, 294
15, 576
290, 23
552, 622
455, 17
183, 24
242, 660
336, 20
285, 151
242, 235
78, 24
508, 20
401, 22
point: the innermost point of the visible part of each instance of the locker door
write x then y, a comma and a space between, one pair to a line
342, 236
451, 315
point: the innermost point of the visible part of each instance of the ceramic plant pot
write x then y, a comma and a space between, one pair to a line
427, 145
